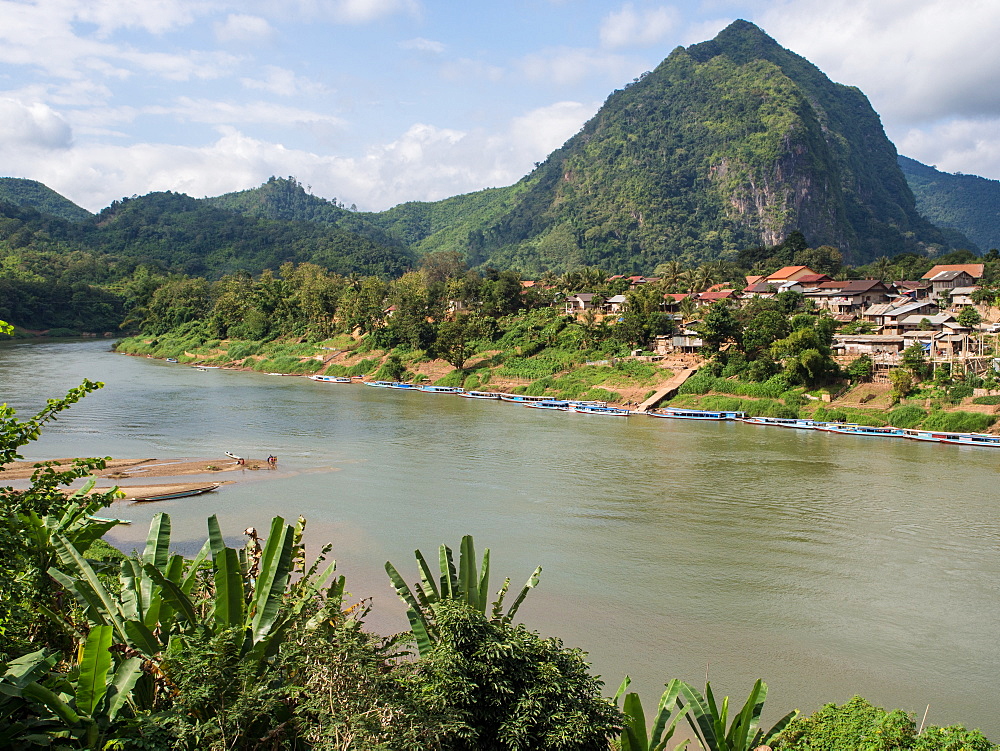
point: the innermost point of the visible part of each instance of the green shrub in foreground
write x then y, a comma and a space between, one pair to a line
858, 725
958, 422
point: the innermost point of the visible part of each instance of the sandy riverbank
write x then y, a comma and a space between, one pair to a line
125, 469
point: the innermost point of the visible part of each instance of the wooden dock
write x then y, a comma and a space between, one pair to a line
667, 390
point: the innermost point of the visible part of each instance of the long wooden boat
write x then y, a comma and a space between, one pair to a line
329, 379
785, 422
688, 414
403, 386
523, 398
604, 411
176, 494
441, 389
481, 395
972, 439
379, 384
550, 404
932, 436
866, 430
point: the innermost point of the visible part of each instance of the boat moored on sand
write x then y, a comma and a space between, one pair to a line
329, 379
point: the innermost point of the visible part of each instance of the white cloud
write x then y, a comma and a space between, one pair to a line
564, 66
969, 146
156, 16
629, 27
32, 125
192, 110
366, 11
466, 69
283, 82
425, 162
422, 45
917, 60
239, 27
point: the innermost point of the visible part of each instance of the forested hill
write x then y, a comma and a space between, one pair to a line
727, 144
181, 234
285, 199
966, 203
21, 192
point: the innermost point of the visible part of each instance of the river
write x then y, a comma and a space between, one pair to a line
828, 565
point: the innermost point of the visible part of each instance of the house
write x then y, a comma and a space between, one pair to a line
946, 281
887, 315
854, 296
768, 288
685, 341
580, 302
975, 270
961, 297
868, 344
919, 290
711, 296
790, 274
615, 304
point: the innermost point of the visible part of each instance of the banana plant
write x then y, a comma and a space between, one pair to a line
82, 704
708, 719
157, 597
635, 736
469, 584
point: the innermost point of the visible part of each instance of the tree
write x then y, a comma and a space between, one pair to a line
861, 369
969, 317
902, 383
454, 339
510, 689
719, 326
914, 358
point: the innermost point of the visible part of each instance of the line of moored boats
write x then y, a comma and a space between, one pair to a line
680, 413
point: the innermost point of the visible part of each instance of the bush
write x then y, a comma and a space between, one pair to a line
511, 689
907, 417
857, 724
958, 422
986, 400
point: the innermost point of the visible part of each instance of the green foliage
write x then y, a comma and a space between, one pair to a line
907, 416
969, 317
708, 719
857, 724
986, 400
861, 369
469, 584
511, 689
958, 422
902, 383
30, 193
635, 736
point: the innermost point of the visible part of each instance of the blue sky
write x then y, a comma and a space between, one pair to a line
376, 102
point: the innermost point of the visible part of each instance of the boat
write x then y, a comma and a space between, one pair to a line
972, 439
932, 436
401, 385
606, 411
523, 398
480, 394
171, 359
785, 422
868, 430
184, 493
329, 379
589, 404
378, 384
442, 389
109, 519
690, 414
551, 404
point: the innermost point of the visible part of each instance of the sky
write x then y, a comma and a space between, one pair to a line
377, 102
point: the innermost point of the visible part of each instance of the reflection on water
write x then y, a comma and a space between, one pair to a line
829, 565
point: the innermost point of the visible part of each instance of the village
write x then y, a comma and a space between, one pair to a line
878, 319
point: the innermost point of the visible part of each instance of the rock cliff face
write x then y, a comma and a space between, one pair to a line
727, 144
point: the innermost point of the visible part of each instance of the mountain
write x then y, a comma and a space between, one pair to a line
285, 199
966, 203
21, 192
727, 144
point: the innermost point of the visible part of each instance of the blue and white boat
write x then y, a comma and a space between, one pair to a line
379, 384
329, 379
605, 411
785, 422
480, 394
677, 413
550, 404
972, 439
523, 398
866, 430
404, 386
442, 389
931, 436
